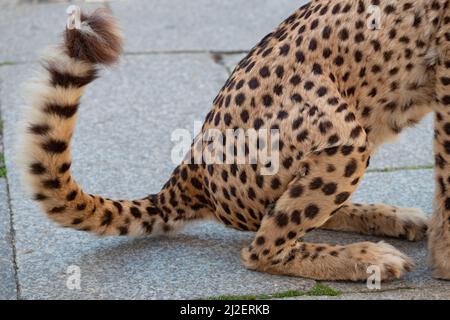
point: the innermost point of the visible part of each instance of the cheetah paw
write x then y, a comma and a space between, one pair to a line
441, 267
439, 253
391, 262
412, 224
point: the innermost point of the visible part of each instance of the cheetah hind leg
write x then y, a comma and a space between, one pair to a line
308, 203
380, 220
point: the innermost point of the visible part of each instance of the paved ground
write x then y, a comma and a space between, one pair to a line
178, 54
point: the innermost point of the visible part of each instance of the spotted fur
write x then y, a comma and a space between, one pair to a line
334, 89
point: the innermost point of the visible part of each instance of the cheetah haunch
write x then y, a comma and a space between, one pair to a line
334, 88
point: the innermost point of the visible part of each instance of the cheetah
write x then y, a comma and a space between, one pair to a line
334, 88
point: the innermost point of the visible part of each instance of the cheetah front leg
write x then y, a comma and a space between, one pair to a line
380, 220
308, 203
439, 233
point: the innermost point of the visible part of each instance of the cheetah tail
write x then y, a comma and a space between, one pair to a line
52, 105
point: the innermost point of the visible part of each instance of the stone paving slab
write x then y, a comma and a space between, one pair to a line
432, 293
7, 279
150, 25
27, 29
122, 149
413, 148
216, 25
403, 188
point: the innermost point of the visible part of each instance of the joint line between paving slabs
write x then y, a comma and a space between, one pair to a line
156, 52
12, 232
184, 51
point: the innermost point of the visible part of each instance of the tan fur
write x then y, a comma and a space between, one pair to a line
439, 234
380, 220
334, 89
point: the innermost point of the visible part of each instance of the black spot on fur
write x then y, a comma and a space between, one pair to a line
39, 129
66, 80
81, 206
107, 218
135, 212
118, 206
64, 167
123, 230
40, 197
296, 217
282, 219
77, 221
350, 168
342, 197
54, 146
329, 188
196, 183
65, 112
58, 209
71, 195
37, 168
51, 184
311, 211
